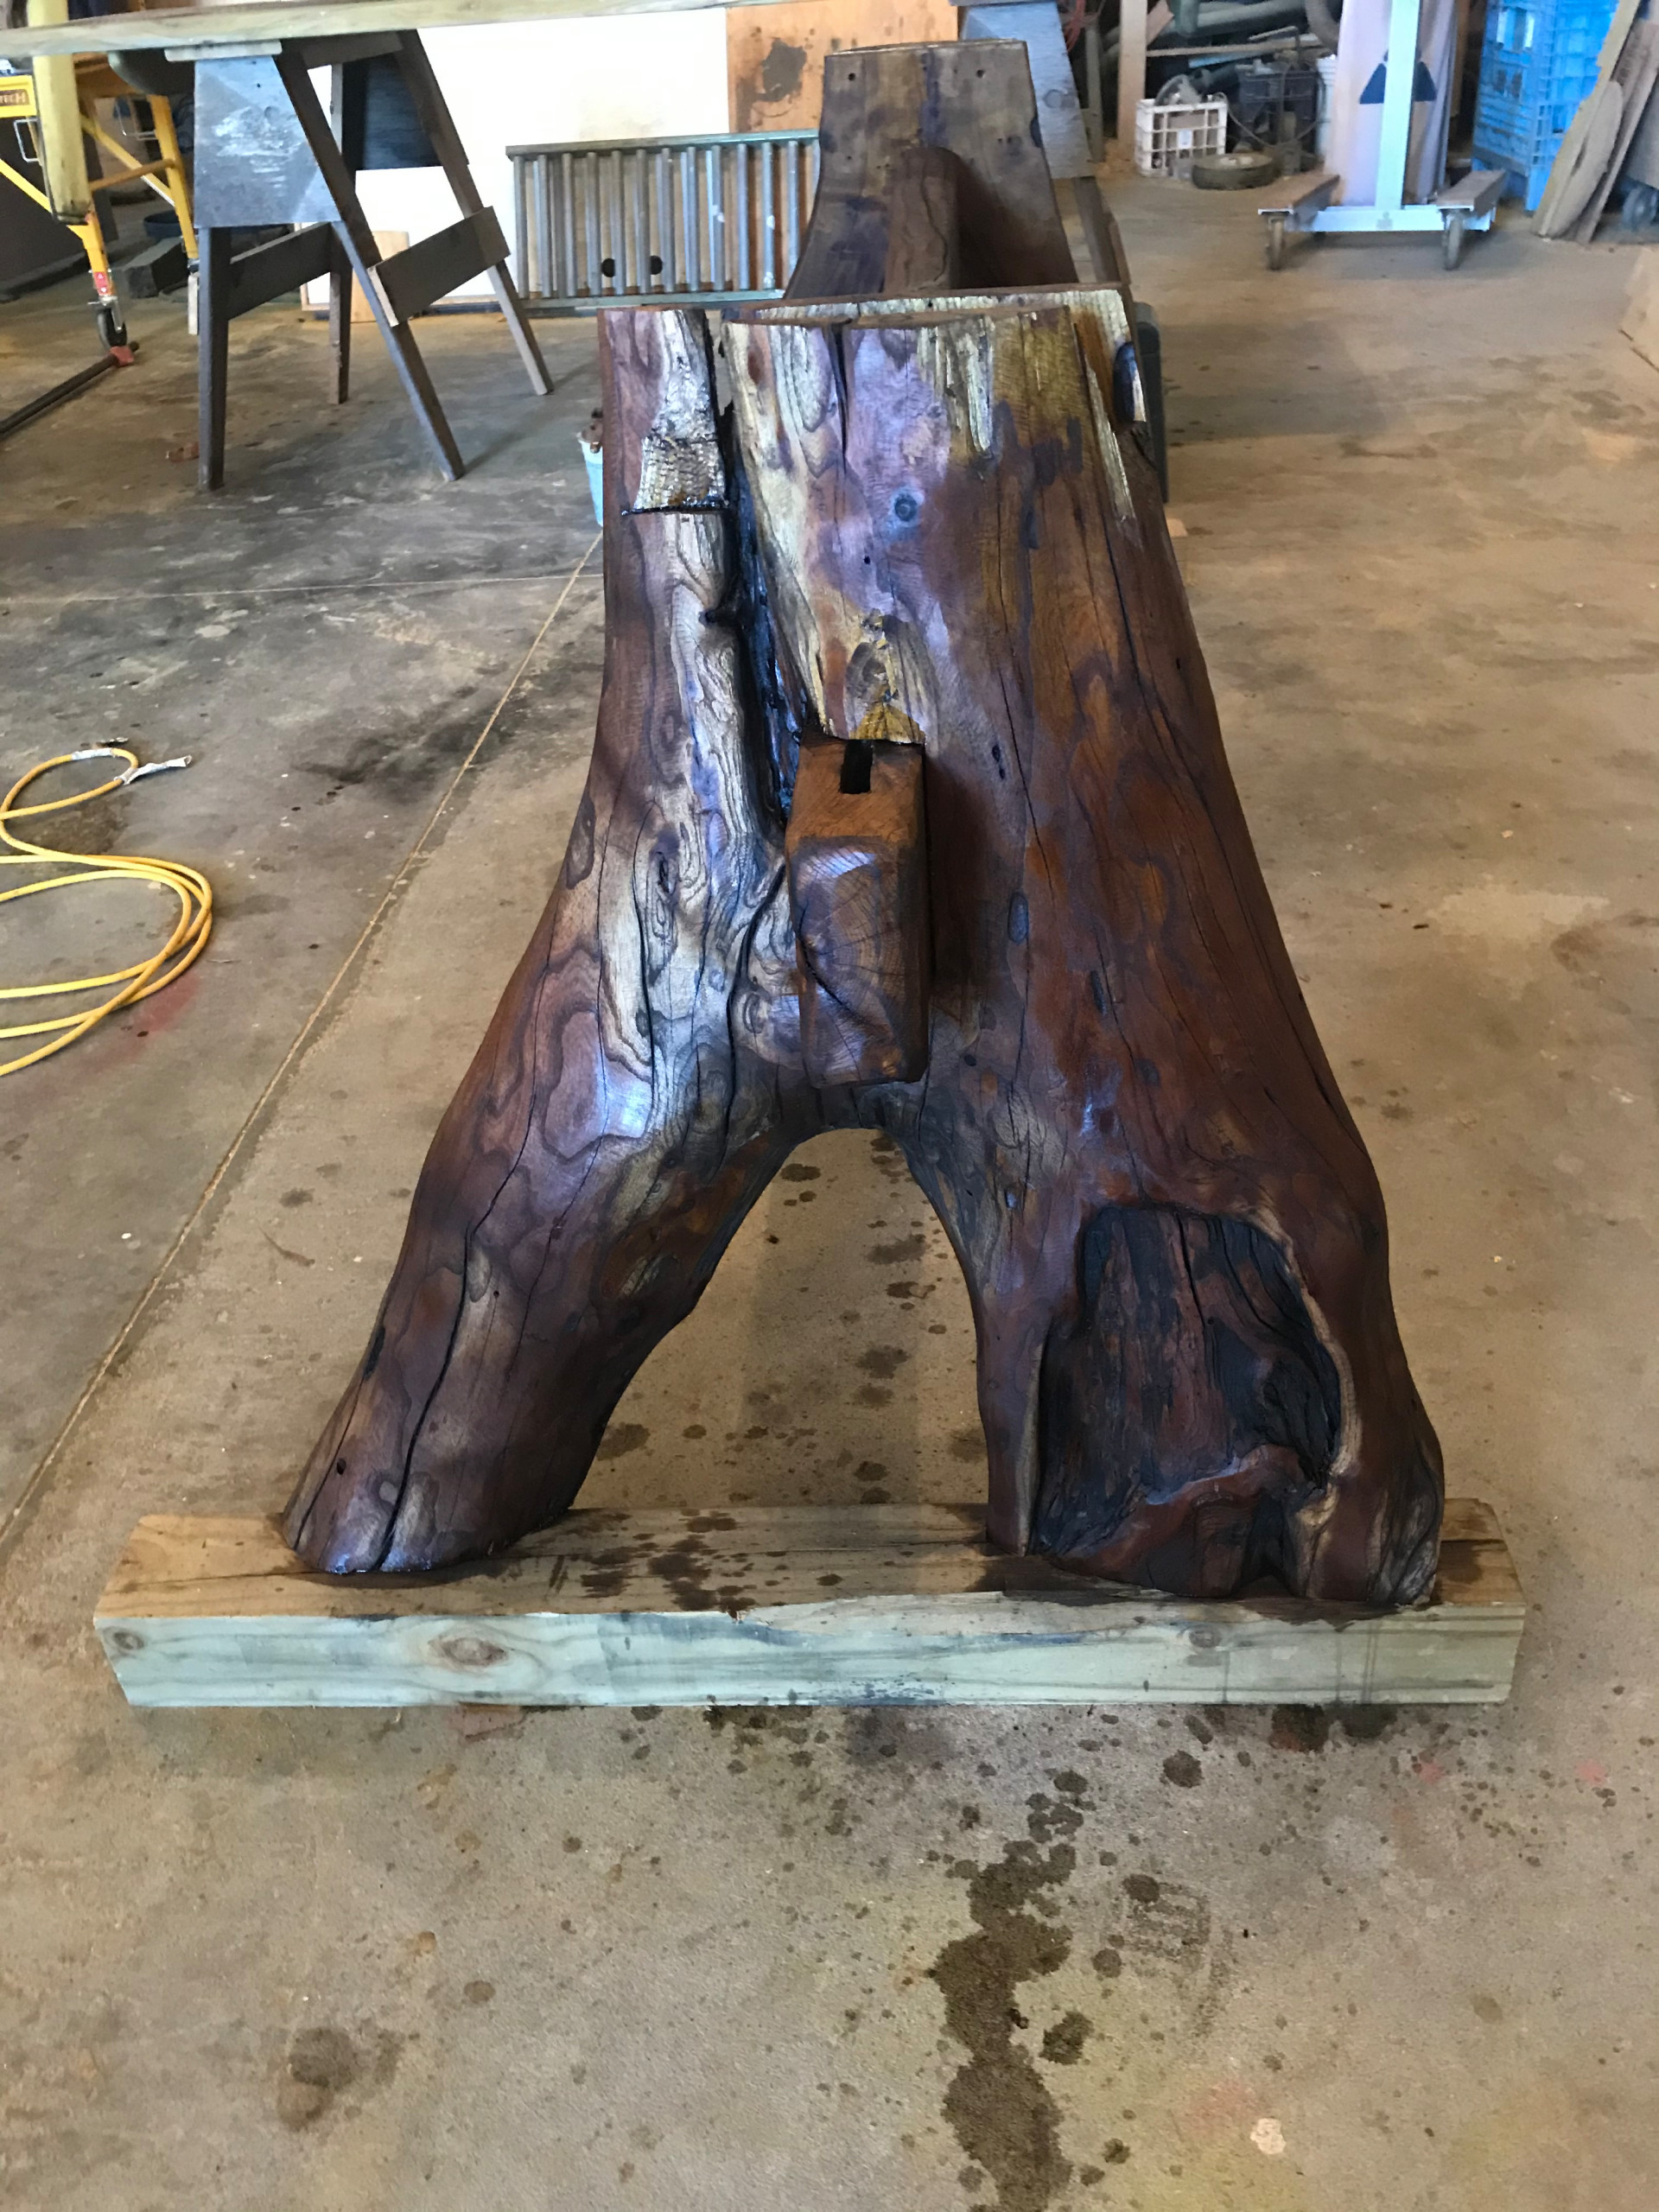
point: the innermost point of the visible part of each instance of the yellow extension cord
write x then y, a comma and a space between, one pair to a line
126, 986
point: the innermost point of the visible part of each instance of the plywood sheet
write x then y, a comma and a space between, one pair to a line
775, 53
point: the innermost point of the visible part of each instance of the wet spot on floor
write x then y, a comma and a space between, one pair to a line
896, 1254
1299, 1728
1365, 1723
968, 1445
1183, 1770
321, 2061
621, 1438
798, 1171
999, 2107
871, 1475
1046, 1818
1063, 2043
884, 1360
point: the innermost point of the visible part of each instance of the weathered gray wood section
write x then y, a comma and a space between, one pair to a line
899, 1605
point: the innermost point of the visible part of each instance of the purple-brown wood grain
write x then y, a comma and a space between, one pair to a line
926, 526
1172, 1238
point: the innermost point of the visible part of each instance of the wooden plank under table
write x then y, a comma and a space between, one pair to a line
893, 1605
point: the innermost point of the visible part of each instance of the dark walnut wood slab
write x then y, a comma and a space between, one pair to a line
933, 531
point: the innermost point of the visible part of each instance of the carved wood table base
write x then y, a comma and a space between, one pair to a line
909, 810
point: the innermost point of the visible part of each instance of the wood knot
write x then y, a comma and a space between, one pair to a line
471, 1651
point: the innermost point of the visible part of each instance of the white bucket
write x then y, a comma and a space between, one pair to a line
595, 457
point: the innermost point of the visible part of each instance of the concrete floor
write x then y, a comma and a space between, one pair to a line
849, 1961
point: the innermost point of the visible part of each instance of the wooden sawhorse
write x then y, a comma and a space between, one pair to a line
266, 154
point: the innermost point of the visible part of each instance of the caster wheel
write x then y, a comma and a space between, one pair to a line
1452, 245
1275, 241
1238, 171
111, 330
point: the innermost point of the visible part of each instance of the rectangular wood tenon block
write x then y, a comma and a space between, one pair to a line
856, 851
897, 1604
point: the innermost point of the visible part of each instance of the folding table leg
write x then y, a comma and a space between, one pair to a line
213, 333
340, 322
512, 309
357, 241
433, 112
347, 122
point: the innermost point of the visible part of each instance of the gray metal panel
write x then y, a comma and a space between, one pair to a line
253, 165
723, 217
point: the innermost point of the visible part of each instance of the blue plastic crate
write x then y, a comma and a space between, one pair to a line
1537, 64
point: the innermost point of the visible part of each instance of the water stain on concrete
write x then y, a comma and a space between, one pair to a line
1364, 1724
1063, 2043
621, 1438
884, 1360
903, 1248
998, 2104
1299, 1728
323, 2062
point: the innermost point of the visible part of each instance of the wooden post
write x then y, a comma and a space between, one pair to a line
927, 532
59, 126
1131, 71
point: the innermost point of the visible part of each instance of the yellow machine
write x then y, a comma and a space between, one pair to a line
57, 103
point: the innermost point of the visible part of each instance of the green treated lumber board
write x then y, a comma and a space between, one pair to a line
773, 1605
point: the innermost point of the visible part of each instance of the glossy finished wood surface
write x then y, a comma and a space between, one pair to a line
857, 855
928, 527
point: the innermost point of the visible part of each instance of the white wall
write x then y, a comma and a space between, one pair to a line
526, 84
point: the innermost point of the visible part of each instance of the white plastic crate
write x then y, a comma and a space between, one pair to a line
1168, 136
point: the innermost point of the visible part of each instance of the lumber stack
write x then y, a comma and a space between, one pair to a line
1613, 139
